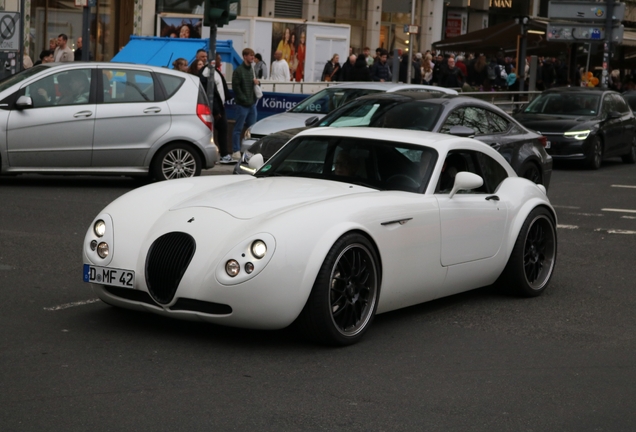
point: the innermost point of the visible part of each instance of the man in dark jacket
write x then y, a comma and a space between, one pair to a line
452, 76
380, 70
347, 68
243, 81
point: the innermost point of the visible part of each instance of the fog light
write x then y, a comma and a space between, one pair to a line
99, 228
249, 267
259, 248
94, 245
232, 268
102, 250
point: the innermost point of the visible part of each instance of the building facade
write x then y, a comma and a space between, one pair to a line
374, 23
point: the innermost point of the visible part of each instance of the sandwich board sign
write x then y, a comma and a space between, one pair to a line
10, 25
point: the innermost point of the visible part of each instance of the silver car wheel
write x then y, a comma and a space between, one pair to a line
178, 163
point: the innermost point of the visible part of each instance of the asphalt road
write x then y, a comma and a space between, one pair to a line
477, 361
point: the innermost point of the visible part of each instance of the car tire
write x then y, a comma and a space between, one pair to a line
344, 298
533, 256
630, 157
594, 158
532, 172
177, 160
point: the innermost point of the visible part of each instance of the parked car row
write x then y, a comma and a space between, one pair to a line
458, 115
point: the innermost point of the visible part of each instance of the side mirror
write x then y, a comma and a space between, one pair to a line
24, 102
462, 131
614, 115
256, 161
311, 121
465, 180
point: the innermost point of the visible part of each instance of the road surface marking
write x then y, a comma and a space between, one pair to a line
628, 217
615, 231
567, 226
624, 186
70, 305
588, 214
618, 210
566, 207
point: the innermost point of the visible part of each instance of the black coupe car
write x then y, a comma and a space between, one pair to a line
583, 123
456, 115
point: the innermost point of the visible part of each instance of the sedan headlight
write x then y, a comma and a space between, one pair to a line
578, 135
99, 228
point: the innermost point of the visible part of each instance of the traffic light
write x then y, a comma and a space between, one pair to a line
219, 12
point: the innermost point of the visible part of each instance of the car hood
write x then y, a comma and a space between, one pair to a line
279, 122
258, 196
550, 123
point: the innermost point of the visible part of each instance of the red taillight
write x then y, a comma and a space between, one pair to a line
204, 113
543, 140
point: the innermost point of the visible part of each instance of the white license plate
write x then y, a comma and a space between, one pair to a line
109, 276
548, 144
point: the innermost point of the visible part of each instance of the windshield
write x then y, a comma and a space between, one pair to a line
572, 104
387, 113
329, 99
21, 76
382, 165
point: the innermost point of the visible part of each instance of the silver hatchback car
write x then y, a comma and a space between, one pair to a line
105, 118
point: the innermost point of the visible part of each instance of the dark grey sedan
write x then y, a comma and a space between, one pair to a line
456, 115
583, 124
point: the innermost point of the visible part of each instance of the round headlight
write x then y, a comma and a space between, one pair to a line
102, 250
259, 248
249, 267
99, 228
232, 268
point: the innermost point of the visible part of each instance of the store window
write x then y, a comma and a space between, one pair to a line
110, 29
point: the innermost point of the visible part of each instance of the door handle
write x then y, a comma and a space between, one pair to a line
492, 197
83, 114
152, 110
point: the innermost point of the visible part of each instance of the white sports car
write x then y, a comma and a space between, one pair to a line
340, 224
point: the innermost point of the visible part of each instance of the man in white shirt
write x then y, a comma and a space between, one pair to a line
280, 68
63, 53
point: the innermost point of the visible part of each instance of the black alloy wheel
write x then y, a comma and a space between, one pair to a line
533, 258
345, 295
594, 157
532, 172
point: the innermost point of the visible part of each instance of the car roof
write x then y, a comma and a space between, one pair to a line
392, 87
430, 139
452, 100
589, 90
113, 65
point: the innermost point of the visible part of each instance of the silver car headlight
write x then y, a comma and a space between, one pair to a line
99, 228
578, 135
259, 249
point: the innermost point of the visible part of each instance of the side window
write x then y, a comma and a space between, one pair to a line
457, 161
455, 118
125, 86
608, 105
492, 172
620, 104
171, 83
497, 123
476, 119
64, 88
